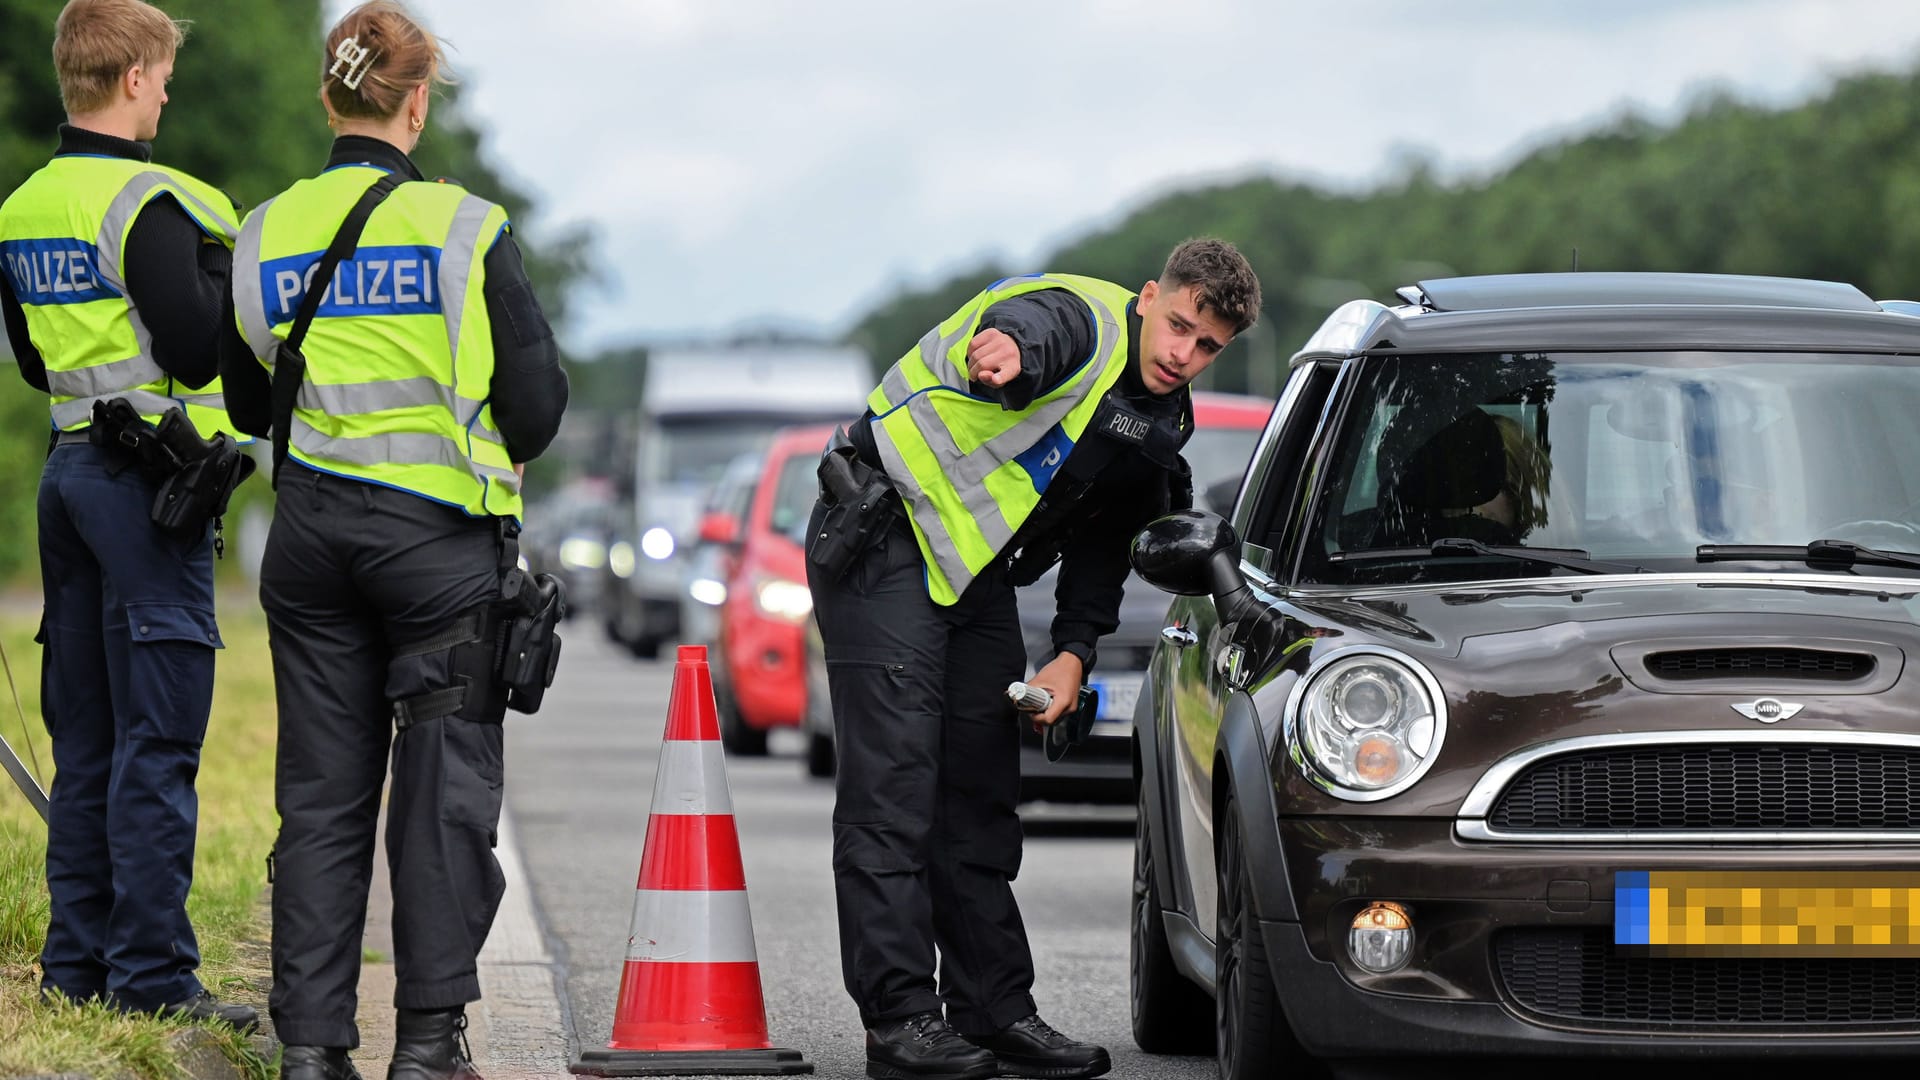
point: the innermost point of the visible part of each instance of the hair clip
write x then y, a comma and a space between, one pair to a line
356, 60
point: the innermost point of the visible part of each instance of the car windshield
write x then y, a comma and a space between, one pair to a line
695, 451
1636, 458
793, 496
1219, 453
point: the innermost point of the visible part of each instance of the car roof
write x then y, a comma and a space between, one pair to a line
806, 438
1619, 311
1212, 408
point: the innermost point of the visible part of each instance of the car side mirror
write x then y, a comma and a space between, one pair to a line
718, 527
1194, 553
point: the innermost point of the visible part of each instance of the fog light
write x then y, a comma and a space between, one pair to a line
1381, 938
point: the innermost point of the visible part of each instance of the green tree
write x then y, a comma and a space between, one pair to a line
245, 115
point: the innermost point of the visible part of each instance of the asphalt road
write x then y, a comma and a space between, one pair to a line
580, 787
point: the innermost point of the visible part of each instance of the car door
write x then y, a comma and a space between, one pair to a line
1206, 660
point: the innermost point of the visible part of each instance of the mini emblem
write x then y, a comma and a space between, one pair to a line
1767, 710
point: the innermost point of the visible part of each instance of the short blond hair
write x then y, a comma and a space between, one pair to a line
95, 42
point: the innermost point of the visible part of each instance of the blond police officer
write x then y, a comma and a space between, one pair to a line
430, 374
112, 273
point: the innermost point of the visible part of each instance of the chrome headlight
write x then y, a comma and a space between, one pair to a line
1366, 722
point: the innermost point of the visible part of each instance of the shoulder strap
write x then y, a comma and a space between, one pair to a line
289, 366
343, 245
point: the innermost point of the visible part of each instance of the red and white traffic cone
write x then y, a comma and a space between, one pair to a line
690, 1001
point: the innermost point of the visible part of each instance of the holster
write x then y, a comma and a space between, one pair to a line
861, 503
530, 639
196, 477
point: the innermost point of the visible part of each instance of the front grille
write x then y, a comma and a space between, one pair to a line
1818, 664
1577, 974
1754, 786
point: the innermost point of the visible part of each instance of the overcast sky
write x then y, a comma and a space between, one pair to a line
753, 162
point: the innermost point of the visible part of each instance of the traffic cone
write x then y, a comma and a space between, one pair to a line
690, 1001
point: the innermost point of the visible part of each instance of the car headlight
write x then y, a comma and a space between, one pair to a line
581, 553
657, 543
783, 599
708, 591
1366, 722
620, 559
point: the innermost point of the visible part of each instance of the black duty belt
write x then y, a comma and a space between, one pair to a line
68, 438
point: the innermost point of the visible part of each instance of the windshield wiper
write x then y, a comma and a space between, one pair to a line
1453, 546
1827, 554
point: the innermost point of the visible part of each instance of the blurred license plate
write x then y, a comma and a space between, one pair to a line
1118, 695
1760, 913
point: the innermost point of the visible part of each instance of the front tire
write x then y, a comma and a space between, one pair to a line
1171, 1015
1254, 1039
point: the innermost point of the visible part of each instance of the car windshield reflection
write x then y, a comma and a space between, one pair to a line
1634, 458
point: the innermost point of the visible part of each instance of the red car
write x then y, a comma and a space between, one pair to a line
767, 606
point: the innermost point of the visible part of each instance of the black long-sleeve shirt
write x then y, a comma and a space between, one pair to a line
528, 390
176, 278
1056, 335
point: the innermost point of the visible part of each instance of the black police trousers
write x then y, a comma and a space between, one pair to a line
353, 571
926, 834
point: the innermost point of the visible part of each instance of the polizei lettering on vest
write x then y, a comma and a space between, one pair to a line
1128, 426
376, 281
52, 272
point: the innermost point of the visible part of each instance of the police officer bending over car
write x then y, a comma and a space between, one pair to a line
411, 371
1042, 422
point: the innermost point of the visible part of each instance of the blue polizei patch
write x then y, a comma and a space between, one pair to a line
58, 271
1042, 459
398, 279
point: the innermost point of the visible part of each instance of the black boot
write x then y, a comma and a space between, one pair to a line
317, 1063
1030, 1047
923, 1047
204, 1006
432, 1046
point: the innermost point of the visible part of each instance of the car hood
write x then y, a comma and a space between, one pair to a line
1525, 665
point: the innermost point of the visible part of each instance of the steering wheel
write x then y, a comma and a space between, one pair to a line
1904, 536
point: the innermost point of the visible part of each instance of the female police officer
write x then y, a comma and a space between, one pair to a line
429, 374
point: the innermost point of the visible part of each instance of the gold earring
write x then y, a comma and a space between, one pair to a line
416, 123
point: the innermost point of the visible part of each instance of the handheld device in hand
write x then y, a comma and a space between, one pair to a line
1070, 729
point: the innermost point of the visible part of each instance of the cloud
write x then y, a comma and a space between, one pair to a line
759, 159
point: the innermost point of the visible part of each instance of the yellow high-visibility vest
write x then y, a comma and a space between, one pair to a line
63, 237
969, 471
400, 354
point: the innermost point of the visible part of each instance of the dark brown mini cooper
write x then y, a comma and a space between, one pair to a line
1546, 693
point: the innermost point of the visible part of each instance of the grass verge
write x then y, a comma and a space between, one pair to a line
236, 830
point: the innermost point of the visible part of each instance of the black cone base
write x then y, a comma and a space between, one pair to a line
691, 1063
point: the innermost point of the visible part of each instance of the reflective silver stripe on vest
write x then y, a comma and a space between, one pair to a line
349, 399
946, 554
247, 297
105, 380
395, 448
205, 401
79, 411
456, 268
968, 472
127, 205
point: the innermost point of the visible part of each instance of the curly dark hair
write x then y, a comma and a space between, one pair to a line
1222, 280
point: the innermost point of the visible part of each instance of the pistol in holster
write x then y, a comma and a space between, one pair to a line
861, 504
196, 477
530, 610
